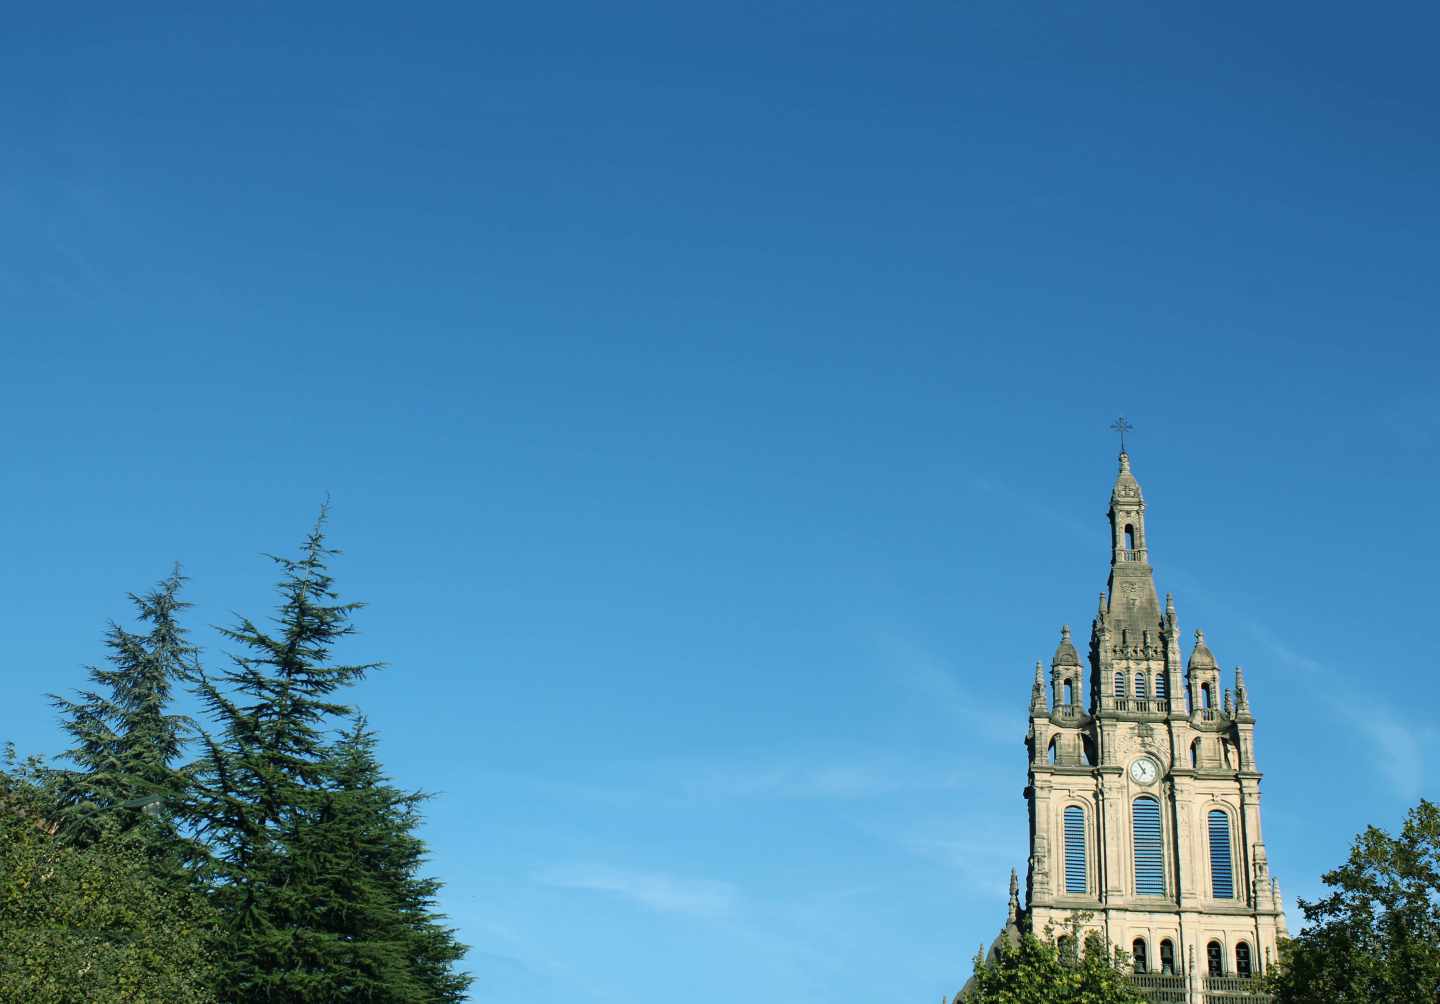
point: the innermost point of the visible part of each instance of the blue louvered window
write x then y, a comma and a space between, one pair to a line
1149, 848
1119, 684
1075, 849
1222, 879
1161, 690
1140, 685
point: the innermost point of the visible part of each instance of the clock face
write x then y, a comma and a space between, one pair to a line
1145, 770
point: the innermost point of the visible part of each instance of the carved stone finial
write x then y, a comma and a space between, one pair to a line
1229, 703
1199, 637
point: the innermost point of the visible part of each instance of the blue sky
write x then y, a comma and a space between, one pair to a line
713, 401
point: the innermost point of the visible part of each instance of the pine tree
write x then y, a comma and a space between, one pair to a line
125, 740
304, 926
376, 824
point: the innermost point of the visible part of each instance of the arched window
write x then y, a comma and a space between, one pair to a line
1066, 945
1137, 951
1119, 684
1207, 699
1242, 960
1129, 537
1050, 752
1069, 693
1140, 685
1194, 754
1167, 957
1149, 848
1214, 959
1075, 883
1162, 690
1222, 878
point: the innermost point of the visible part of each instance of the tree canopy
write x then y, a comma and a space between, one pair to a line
1037, 971
1375, 938
92, 923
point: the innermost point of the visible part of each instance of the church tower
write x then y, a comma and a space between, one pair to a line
1144, 796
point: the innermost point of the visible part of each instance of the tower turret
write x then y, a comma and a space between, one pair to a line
1202, 676
1065, 671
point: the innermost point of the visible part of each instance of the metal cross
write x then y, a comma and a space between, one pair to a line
1121, 426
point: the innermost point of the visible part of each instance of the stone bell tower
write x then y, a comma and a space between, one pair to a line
1144, 794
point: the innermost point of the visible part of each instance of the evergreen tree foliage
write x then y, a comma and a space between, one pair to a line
1375, 939
375, 837
314, 881
125, 740
92, 923
1037, 971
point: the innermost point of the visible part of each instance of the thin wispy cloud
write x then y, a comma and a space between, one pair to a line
939, 684
981, 847
1024, 498
852, 780
1400, 745
656, 891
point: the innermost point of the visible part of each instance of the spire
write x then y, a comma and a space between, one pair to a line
1133, 605
1037, 690
1013, 914
1242, 696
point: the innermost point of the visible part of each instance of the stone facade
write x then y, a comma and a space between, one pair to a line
1148, 735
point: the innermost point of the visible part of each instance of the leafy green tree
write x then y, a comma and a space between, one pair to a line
92, 923
1040, 971
1375, 939
125, 740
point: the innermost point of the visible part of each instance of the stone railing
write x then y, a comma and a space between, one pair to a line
1163, 988
1144, 705
1234, 990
